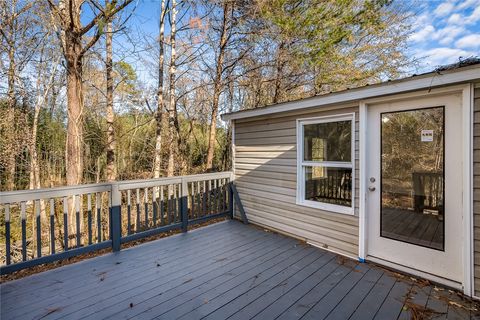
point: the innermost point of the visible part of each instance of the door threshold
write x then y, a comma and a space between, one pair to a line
417, 273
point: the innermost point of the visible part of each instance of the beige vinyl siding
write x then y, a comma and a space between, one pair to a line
476, 189
266, 174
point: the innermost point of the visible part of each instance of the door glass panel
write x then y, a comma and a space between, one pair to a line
412, 176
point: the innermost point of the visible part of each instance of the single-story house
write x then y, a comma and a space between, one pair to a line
388, 173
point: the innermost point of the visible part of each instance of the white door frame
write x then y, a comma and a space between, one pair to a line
467, 158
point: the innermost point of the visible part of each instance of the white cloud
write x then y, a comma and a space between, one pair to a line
441, 56
423, 34
447, 35
459, 19
475, 16
456, 19
422, 20
445, 31
444, 9
470, 41
468, 4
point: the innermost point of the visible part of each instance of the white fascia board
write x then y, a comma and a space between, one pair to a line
382, 89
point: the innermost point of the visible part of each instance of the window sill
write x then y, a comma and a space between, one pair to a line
327, 207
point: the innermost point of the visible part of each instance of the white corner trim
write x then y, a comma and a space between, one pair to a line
386, 88
467, 115
232, 177
362, 132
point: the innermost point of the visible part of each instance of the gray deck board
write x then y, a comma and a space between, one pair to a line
44, 281
308, 301
149, 285
126, 276
198, 286
203, 278
418, 296
202, 305
325, 305
436, 302
347, 306
257, 305
282, 281
394, 302
372, 302
278, 307
226, 270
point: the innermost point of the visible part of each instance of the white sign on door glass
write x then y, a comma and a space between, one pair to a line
427, 136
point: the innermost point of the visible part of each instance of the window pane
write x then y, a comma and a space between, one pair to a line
329, 185
331, 141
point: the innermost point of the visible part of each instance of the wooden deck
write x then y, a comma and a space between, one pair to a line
413, 227
226, 270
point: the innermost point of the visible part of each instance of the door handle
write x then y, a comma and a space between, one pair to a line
371, 188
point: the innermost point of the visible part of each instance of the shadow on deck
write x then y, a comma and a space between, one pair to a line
227, 270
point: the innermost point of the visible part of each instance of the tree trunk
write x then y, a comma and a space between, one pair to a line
10, 122
157, 164
171, 107
181, 146
40, 102
217, 89
111, 165
277, 96
34, 166
74, 147
74, 143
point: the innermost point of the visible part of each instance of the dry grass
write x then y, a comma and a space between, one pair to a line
418, 312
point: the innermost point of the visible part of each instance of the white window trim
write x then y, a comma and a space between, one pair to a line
300, 198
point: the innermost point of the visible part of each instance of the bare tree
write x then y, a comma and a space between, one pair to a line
172, 105
72, 33
212, 56
230, 48
157, 165
19, 41
75, 43
47, 69
111, 166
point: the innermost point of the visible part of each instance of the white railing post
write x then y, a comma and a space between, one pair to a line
231, 201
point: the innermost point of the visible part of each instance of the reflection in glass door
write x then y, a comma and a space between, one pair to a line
412, 176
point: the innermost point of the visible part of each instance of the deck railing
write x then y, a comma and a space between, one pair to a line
47, 225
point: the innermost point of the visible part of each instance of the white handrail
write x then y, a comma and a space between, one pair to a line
11, 197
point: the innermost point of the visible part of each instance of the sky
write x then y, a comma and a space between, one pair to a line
444, 31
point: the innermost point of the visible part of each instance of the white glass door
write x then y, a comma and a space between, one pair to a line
414, 213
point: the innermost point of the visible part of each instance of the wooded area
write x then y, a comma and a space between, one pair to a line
88, 94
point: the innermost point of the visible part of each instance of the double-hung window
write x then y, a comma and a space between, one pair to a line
325, 162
